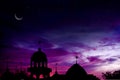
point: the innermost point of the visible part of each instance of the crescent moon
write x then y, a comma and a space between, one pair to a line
18, 18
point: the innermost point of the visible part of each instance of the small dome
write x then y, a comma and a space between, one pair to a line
39, 56
76, 72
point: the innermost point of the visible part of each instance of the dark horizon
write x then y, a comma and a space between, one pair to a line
39, 70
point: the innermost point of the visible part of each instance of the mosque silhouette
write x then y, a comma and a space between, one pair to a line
39, 68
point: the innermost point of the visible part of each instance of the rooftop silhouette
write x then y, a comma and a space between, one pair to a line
39, 70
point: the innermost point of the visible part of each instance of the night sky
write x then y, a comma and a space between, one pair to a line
65, 29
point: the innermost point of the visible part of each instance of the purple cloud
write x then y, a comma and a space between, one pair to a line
56, 52
94, 59
111, 59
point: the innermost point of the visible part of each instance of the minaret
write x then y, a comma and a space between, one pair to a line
38, 65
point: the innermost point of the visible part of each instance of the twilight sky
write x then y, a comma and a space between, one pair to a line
66, 28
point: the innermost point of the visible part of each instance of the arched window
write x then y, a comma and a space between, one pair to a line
34, 76
41, 76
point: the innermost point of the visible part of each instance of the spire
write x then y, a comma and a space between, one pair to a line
56, 68
76, 58
39, 45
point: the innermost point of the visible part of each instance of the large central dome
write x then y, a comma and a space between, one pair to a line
76, 72
39, 56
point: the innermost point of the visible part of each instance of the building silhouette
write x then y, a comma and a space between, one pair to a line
57, 76
39, 65
39, 68
21, 75
7, 75
76, 72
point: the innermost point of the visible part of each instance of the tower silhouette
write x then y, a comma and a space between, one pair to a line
38, 65
39, 70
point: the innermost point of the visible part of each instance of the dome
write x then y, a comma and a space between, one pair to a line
76, 72
39, 56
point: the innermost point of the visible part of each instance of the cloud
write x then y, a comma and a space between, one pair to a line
77, 47
56, 52
111, 59
94, 59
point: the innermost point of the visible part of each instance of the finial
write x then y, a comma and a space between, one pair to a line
39, 49
76, 58
39, 43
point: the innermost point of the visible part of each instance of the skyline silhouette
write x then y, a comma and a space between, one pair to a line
39, 70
